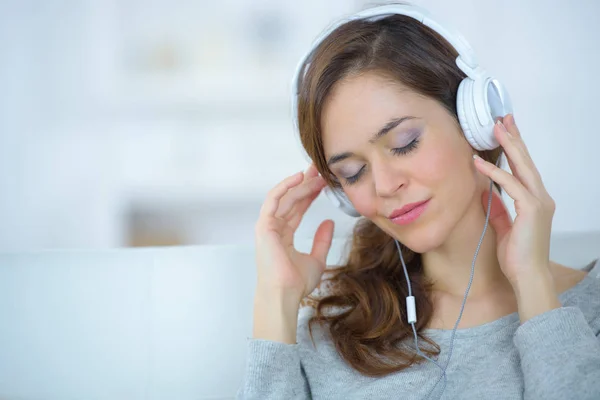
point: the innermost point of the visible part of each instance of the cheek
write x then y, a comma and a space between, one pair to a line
363, 203
433, 167
448, 162
451, 170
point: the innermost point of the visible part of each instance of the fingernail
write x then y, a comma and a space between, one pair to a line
501, 125
477, 158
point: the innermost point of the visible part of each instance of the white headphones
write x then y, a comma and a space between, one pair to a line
480, 98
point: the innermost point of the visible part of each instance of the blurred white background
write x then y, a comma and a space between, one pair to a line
159, 122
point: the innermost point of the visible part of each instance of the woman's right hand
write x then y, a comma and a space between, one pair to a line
281, 268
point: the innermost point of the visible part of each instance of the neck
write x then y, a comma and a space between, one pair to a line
449, 266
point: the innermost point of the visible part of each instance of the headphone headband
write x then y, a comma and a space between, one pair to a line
466, 60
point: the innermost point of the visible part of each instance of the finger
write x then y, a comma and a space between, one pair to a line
301, 206
299, 210
509, 183
500, 219
509, 122
511, 126
310, 172
520, 161
543, 194
298, 193
271, 203
322, 241
511, 165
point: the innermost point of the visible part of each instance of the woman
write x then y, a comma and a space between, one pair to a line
377, 113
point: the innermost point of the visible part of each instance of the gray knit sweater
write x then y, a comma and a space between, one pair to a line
554, 355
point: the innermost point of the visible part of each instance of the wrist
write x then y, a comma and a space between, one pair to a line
275, 316
536, 294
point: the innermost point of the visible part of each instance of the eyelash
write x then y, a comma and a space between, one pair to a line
397, 151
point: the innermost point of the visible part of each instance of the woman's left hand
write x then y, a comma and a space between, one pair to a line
523, 246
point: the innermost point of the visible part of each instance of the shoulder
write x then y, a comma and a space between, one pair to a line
584, 292
593, 268
313, 340
568, 279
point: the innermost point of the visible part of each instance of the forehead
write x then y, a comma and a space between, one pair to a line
360, 105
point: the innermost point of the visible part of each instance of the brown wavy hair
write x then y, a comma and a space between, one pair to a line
370, 329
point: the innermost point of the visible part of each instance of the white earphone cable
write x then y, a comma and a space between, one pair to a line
410, 304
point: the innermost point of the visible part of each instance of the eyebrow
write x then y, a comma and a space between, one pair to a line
382, 132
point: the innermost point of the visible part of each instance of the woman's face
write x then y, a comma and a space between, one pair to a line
420, 155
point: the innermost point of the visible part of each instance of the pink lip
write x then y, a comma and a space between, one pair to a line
408, 213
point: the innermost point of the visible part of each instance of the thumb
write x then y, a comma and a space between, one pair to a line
322, 241
500, 219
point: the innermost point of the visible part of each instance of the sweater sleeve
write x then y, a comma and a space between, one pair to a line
273, 371
560, 356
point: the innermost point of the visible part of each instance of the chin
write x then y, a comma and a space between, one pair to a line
420, 238
422, 241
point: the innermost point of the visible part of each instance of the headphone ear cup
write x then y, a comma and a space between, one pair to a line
460, 109
463, 97
339, 200
492, 100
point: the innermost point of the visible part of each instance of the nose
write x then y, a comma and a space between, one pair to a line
387, 180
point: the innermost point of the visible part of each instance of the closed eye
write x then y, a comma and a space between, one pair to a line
406, 149
396, 151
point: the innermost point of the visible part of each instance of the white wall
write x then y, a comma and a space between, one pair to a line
83, 141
